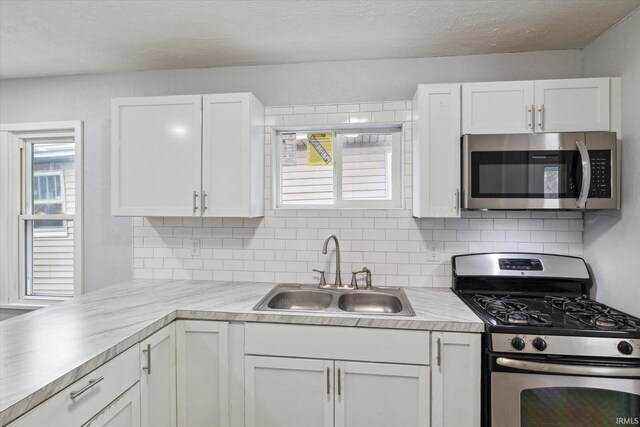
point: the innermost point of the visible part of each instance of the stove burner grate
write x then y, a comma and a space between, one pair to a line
510, 311
593, 313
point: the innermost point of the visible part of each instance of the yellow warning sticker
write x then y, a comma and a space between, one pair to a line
320, 149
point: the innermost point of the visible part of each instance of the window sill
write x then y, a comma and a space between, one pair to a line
338, 208
33, 303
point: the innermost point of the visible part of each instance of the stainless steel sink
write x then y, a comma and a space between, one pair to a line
298, 299
369, 302
385, 301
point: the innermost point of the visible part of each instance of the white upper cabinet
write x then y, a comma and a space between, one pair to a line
497, 107
155, 155
188, 156
575, 105
567, 105
436, 151
232, 155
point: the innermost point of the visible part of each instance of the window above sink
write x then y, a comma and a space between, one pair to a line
338, 167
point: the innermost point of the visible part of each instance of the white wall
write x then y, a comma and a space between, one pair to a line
108, 240
612, 241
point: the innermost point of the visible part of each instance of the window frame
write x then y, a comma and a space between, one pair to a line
15, 142
397, 202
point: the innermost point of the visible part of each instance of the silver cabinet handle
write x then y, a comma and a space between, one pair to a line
586, 175
204, 202
147, 351
438, 355
556, 368
541, 116
530, 114
195, 202
90, 384
456, 201
339, 383
328, 382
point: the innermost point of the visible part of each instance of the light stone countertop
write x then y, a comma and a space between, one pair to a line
44, 351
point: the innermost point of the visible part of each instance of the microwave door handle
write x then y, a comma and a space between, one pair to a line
586, 175
556, 368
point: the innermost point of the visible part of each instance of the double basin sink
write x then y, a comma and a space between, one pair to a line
298, 298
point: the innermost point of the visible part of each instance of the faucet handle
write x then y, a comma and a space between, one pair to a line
354, 279
368, 278
323, 281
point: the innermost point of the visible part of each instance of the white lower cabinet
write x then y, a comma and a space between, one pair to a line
455, 379
290, 392
158, 378
208, 373
202, 373
122, 412
381, 395
94, 399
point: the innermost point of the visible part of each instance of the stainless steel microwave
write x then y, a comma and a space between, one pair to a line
541, 171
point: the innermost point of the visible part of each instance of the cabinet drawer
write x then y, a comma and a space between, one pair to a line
343, 343
117, 375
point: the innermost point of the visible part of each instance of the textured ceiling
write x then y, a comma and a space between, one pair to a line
44, 38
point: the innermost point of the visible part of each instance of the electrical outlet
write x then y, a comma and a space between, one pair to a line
434, 249
195, 247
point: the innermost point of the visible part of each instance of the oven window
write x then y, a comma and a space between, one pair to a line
525, 174
576, 406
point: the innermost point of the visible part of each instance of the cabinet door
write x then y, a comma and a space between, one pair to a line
455, 379
155, 155
233, 155
381, 395
122, 412
572, 105
283, 392
436, 151
497, 107
158, 378
202, 373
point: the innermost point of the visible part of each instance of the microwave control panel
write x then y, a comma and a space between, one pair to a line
600, 174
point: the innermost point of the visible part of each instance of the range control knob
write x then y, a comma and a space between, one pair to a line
518, 343
625, 348
539, 344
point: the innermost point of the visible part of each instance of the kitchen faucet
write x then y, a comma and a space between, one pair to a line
338, 283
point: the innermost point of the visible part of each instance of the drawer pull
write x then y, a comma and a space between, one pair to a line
91, 383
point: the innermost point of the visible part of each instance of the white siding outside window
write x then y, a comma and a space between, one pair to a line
366, 171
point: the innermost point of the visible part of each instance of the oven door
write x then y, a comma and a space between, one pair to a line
528, 393
540, 171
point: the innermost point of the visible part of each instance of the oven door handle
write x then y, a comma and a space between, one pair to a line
555, 368
586, 174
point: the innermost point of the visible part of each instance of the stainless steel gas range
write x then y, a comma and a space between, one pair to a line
551, 355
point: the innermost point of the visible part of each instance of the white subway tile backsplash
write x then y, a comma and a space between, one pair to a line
326, 109
359, 117
371, 107
286, 244
383, 116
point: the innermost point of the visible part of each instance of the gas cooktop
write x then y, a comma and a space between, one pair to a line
551, 315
